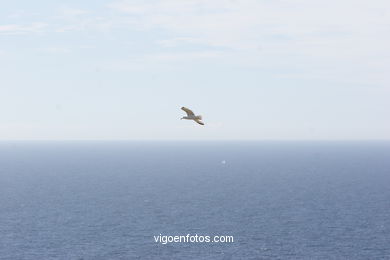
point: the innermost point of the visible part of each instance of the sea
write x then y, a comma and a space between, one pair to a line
272, 199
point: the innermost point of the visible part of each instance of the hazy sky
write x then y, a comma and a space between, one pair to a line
255, 69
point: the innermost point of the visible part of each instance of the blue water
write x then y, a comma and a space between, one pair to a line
279, 200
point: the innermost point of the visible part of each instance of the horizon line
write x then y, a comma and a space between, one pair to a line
194, 140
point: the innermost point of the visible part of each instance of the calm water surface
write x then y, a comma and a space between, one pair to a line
279, 200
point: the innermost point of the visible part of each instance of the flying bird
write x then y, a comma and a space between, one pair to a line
191, 116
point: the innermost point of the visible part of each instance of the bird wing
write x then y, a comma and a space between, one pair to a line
188, 111
198, 121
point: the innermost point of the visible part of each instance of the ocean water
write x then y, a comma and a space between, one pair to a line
279, 200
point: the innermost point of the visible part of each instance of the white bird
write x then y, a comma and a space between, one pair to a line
191, 116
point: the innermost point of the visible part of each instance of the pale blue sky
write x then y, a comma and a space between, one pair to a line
254, 69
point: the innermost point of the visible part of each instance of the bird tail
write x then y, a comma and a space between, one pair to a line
199, 117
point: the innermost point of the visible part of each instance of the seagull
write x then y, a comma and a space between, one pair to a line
191, 116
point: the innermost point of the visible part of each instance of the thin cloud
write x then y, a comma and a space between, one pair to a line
240, 24
329, 38
72, 12
163, 59
325, 39
23, 29
56, 50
